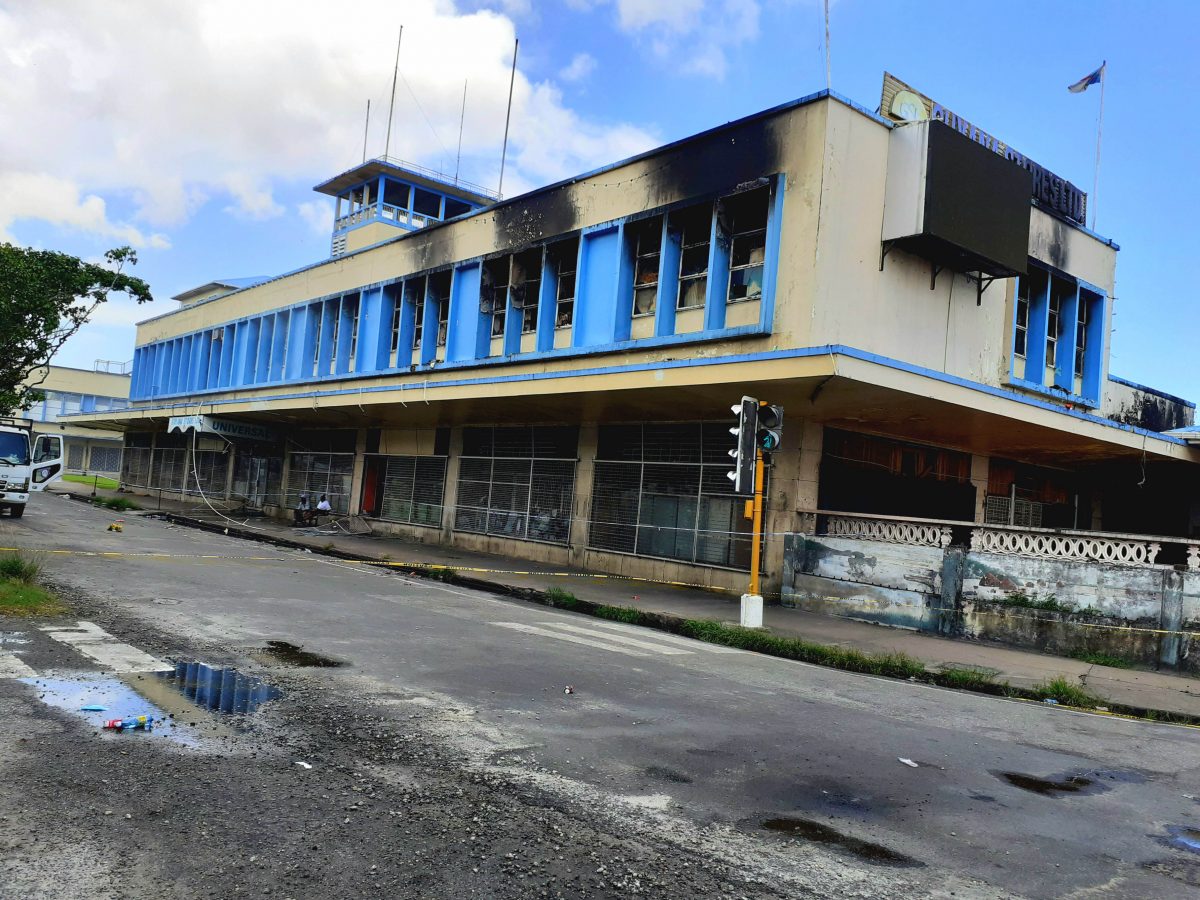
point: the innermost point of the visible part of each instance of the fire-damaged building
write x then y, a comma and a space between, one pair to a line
550, 375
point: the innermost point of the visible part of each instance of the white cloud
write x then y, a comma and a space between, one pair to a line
318, 216
692, 35
161, 108
581, 66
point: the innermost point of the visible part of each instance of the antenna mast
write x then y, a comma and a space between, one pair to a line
508, 115
366, 127
387, 144
461, 120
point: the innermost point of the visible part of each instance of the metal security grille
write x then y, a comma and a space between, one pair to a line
413, 487
207, 473
662, 491
75, 457
135, 468
1027, 513
167, 469
517, 482
106, 459
320, 473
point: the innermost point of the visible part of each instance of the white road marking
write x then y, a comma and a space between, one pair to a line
690, 643
620, 639
95, 643
12, 667
545, 632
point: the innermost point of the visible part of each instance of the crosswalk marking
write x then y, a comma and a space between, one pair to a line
95, 643
690, 643
11, 666
545, 632
621, 639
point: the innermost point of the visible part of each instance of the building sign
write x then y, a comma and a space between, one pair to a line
227, 428
901, 103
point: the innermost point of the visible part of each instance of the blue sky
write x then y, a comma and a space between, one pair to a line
197, 134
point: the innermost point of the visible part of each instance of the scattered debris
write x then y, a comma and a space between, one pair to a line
130, 723
568, 690
93, 707
1050, 701
303, 764
908, 762
118, 525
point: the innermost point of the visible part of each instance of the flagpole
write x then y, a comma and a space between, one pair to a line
828, 71
1099, 132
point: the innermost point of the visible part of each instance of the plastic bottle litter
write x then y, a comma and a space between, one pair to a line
93, 707
1050, 701
908, 762
303, 764
568, 690
131, 723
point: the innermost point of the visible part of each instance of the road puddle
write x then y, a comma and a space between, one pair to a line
292, 655
1184, 837
823, 834
1089, 782
191, 706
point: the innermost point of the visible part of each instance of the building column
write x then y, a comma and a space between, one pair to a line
808, 483
356, 473
980, 466
581, 500
780, 505
229, 467
450, 495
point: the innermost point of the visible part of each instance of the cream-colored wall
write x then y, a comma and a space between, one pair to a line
81, 381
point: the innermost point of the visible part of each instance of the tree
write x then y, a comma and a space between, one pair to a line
45, 297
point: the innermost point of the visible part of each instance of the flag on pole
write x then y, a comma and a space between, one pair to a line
1088, 80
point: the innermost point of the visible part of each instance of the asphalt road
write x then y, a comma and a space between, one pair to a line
700, 770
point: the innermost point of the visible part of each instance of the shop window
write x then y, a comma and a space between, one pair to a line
493, 293
646, 242
564, 258
517, 482
695, 229
527, 287
660, 490
745, 221
406, 489
317, 474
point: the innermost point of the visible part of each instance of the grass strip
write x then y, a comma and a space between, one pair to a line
108, 484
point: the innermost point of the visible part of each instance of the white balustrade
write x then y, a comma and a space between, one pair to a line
1050, 545
917, 533
1193, 557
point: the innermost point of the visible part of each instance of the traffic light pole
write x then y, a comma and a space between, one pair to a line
756, 545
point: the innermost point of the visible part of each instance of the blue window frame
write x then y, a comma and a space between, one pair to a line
1058, 336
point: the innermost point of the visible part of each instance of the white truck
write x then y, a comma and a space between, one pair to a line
21, 472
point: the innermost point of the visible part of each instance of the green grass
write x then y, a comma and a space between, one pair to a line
20, 595
1064, 691
966, 679
99, 481
116, 504
1102, 659
1031, 601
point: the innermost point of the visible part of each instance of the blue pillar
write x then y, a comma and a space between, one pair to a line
227, 341
266, 341
771, 253
668, 280
596, 286
547, 303
512, 323
469, 334
325, 350
1093, 357
623, 318
429, 321
203, 356
717, 293
279, 345
178, 366
345, 335
297, 357
247, 374
214, 362
374, 329
242, 348
1064, 355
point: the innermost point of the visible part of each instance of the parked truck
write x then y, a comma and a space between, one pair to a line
23, 472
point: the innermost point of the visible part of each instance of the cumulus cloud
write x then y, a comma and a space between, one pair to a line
694, 35
161, 108
580, 67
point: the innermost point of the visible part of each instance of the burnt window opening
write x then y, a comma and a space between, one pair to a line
317, 312
527, 287
564, 258
397, 312
350, 308
456, 208
396, 193
745, 221
427, 203
647, 254
493, 293
414, 295
1052, 328
1021, 329
439, 290
695, 235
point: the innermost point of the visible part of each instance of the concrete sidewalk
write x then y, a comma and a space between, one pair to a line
1129, 687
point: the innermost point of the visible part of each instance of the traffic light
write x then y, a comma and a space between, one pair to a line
769, 427
746, 432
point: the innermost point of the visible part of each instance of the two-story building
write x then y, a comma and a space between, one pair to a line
68, 392
550, 375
